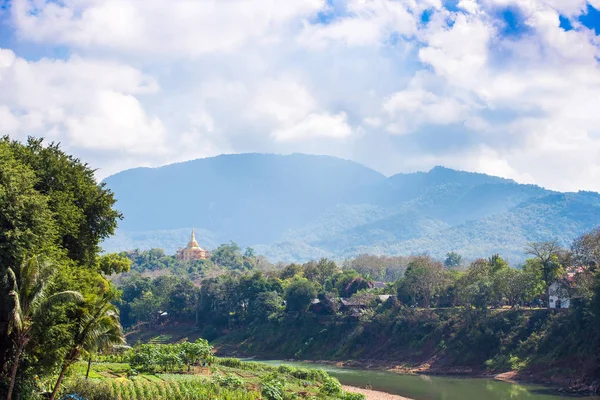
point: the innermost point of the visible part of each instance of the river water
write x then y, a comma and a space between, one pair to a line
423, 387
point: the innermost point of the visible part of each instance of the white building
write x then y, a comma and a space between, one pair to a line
559, 295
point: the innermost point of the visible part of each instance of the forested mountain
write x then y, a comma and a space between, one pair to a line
300, 207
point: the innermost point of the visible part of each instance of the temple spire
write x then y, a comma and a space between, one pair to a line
193, 251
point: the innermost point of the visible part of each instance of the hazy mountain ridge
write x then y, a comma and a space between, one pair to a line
299, 207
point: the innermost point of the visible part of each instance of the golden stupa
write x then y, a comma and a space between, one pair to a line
193, 251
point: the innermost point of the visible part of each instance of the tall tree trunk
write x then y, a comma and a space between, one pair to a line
13, 373
87, 373
68, 361
59, 380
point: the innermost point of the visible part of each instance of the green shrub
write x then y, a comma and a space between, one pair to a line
230, 362
331, 387
353, 396
90, 390
286, 369
229, 380
271, 387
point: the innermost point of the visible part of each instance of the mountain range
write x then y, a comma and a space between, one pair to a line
299, 207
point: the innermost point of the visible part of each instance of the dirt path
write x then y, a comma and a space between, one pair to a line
373, 394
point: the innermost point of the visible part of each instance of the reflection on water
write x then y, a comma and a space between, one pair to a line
423, 387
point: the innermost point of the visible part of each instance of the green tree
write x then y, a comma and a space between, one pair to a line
586, 249
181, 301
228, 256
299, 294
320, 271
423, 279
113, 263
485, 283
453, 260
110, 336
380, 268
516, 286
30, 297
144, 357
82, 209
497, 263
169, 357
26, 227
267, 306
27, 224
97, 325
547, 261
50, 204
145, 308
290, 271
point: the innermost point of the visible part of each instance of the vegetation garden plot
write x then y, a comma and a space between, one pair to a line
226, 379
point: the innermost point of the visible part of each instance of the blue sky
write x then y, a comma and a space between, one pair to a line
506, 87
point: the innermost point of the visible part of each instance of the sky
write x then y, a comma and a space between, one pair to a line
504, 87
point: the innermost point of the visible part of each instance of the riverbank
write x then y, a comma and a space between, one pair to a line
373, 394
561, 383
558, 382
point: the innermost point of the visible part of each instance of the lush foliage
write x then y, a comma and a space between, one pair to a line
53, 216
169, 357
227, 379
226, 257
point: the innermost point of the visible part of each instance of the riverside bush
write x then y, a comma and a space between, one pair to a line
354, 396
271, 387
331, 386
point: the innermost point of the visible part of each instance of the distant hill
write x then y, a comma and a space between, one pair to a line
299, 207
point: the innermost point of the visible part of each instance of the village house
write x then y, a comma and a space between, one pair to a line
560, 291
382, 298
559, 295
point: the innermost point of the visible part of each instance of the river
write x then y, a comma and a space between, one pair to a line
424, 387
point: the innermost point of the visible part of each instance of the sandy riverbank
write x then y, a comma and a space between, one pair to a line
373, 394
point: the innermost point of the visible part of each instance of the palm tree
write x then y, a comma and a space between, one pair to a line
30, 298
97, 328
113, 336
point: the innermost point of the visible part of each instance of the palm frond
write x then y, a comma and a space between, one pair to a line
16, 320
101, 328
45, 303
62, 297
13, 279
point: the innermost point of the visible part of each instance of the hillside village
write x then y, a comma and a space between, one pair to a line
327, 291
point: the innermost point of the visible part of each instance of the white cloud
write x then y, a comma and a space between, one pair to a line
8, 122
85, 104
368, 23
282, 101
316, 125
157, 82
116, 121
411, 108
182, 27
460, 53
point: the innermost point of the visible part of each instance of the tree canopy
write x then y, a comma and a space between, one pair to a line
51, 209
